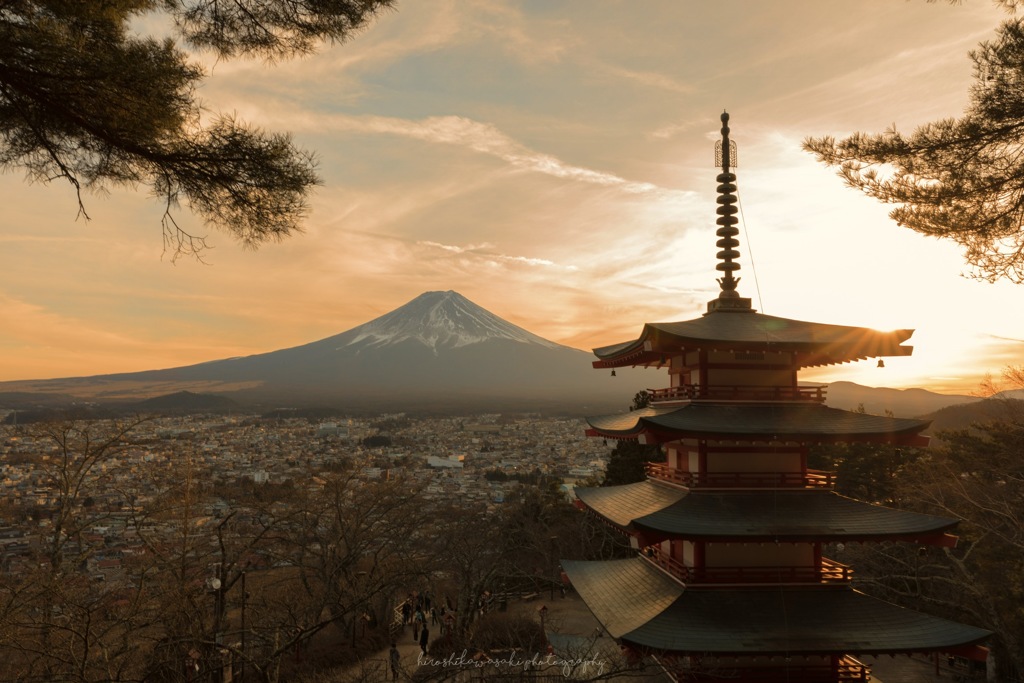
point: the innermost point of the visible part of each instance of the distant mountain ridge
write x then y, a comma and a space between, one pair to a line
186, 402
437, 352
964, 416
901, 402
440, 349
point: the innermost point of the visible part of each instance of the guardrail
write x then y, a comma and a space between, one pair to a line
738, 392
768, 480
828, 572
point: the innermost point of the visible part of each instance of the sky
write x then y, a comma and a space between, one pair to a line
554, 163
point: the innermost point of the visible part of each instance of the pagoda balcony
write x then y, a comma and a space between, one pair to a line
829, 572
738, 393
813, 479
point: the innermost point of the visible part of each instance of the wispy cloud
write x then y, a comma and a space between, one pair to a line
27, 322
671, 130
650, 79
1007, 339
389, 40
484, 138
39, 342
486, 252
456, 249
520, 36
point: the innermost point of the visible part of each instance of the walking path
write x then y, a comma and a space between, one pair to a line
568, 618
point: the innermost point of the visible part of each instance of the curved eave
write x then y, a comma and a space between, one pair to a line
621, 350
818, 357
655, 512
624, 425
641, 606
620, 505
786, 516
765, 422
814, 344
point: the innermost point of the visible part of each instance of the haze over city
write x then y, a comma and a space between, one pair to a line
553, 163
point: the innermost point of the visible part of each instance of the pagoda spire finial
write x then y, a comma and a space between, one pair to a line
725, 157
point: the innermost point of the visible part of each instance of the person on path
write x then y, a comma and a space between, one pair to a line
448, 624
424, 638
418, 622
395, 658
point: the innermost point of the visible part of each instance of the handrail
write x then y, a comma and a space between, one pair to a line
846, 670
829, 571
817, 479
738, 392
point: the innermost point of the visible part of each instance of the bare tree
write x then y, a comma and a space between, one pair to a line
57, 620
976, 475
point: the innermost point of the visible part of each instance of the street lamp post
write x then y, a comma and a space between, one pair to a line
216, 586
245, 654
552, 543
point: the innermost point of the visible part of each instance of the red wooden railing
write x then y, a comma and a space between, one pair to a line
807, 479
849, 670
829, 572
670, 564
738, 393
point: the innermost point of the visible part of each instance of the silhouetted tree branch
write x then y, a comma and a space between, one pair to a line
84, 100
958, 179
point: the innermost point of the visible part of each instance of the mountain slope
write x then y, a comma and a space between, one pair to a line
438, 348
438, 320
901, 402
980, 412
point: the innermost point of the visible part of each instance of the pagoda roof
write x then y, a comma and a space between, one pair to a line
661, 511
747, 330
620, 505
757, 422
641, 605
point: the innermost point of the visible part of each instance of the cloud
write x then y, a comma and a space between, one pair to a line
484, 251
392, 37
669, 131
456, 249
483, 138
27, 322
649, 79
35, 337
526, 39
1012, 340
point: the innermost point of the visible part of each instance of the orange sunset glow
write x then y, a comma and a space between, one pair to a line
553, 163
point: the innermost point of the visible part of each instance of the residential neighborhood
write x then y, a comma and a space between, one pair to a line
474, 461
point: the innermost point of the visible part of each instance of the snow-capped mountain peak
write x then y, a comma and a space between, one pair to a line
441, 320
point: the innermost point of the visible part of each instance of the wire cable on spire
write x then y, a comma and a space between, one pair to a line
750, 253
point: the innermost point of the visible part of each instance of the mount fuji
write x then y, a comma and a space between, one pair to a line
438, 320
438, 352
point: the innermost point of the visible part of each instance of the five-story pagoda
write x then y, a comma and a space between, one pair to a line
730, 579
